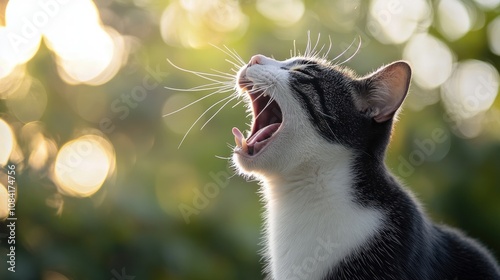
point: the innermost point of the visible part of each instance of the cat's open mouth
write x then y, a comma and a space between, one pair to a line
267, 119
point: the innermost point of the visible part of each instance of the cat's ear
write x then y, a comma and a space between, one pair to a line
381, 93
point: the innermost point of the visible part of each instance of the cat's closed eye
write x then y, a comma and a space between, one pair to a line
304, 62
301, 71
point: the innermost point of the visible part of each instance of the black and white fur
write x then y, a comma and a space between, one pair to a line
333, 211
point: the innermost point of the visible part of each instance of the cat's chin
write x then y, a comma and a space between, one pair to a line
256, 163
270, 160
252, 167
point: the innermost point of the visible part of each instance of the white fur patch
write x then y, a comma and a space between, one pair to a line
312, 223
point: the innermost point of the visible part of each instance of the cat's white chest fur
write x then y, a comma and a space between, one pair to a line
312, 222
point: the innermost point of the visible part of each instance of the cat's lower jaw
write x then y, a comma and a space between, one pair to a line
312, 222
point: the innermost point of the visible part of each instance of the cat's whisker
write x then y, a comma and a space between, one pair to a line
326, 115
206, 87
231, 53
260, 95
237, 103
308, 44
235, 55
234, 64
329, 127
261, 86
309, 48
260, 89
325, 56
317, 52
217, 112
235, 70
342, 53
220, 82
314, 52
198, 100
201, 116
294, 49
206, 76
355, 52
231, 147
238, 63
255, 87
229, 75
271, 99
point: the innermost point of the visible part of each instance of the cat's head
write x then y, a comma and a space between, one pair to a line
307, 110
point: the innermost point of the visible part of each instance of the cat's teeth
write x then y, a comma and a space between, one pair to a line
240, 140
242, 144
237, 141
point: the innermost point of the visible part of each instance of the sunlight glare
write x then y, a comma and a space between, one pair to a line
470, 91
83, 56
7, 138
196, 23
494, 36
454, 20
282, 12
221, 15
84, 48
24, 21
393, 22
82, 165
488, 4
174, 30
86, 51
41, 150
9, 85
430, 59
4, 208
226, 17
7, 60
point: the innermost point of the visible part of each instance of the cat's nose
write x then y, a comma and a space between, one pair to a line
256, 59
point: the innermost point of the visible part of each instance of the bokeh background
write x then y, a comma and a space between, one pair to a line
105, 192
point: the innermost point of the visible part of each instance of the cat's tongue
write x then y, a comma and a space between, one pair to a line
255, 142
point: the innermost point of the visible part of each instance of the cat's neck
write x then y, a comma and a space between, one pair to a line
312, 221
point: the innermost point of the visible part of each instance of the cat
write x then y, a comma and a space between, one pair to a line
332, 209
